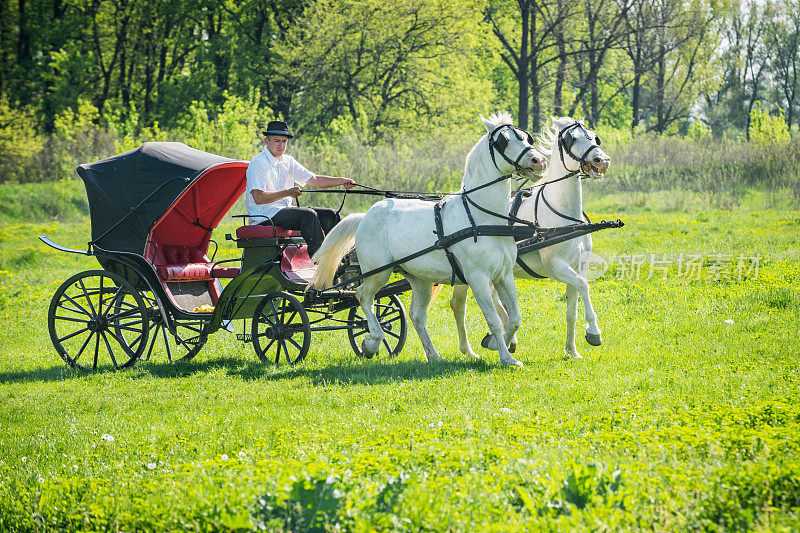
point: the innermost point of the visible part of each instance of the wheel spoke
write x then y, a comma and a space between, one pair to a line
291, 317
108, 347
286, 351
278, 354
88, 298
62, 339
69, 319
85, 344
100, 297
127, 327
298, 346
268, 346
96, 349
388, 348
392, 333
274, 313
124, 314
121, 342
363, 331
82, 309
152, 343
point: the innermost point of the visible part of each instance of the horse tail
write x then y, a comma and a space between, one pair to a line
336, 245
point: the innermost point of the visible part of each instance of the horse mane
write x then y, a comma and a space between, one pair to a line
548, 135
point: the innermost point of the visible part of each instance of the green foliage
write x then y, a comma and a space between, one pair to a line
403, 76
233, 132
54, 200
20, 141
313, 505
699, 131
766, 128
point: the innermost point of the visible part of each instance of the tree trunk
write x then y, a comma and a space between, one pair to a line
23, 38
561, 68
522, 72
534, 78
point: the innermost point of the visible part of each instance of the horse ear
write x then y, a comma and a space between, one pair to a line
580, 120
559, 123
488, 125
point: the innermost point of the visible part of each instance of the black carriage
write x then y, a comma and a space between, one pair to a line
153, 213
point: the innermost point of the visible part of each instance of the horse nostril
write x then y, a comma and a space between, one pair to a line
598, 159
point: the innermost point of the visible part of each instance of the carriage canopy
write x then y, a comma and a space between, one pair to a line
195, 190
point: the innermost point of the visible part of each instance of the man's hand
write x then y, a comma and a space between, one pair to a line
348, 184
294, 192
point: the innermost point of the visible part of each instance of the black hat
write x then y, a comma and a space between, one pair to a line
276, 127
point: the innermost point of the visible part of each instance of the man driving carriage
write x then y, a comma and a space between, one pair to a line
272, 182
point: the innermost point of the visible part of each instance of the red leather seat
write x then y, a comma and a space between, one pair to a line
256, 231
178, 263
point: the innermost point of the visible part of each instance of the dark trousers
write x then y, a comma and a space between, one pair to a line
313, 223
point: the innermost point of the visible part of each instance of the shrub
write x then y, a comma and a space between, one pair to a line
20, 142
766, 128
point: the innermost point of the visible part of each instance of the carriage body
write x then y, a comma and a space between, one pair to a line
153, 213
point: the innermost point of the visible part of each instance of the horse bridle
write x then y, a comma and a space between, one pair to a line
500, 144
566, 139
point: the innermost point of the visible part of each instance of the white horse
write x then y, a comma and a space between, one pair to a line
573, 151
393, 229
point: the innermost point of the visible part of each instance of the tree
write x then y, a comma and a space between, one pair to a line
785, 41
382, 63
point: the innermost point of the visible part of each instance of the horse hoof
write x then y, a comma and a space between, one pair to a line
512, 363
366, 353
486, 340
593, 339
513, 347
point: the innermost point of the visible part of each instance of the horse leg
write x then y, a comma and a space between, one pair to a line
482, 290
458, 303
420, 298
488, 341
566, 274
506, 291
592, 328
366, 295
572, 315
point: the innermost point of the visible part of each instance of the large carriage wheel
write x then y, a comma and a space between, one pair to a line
392, 317
97, 318
281, 329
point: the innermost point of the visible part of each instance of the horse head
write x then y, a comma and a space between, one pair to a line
511, 149
578, 145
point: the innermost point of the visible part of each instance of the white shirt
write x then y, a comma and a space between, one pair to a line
268, 174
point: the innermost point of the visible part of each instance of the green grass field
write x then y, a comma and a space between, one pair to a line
688, 416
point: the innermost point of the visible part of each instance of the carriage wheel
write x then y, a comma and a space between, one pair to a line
392, 317
280, 329
97, 318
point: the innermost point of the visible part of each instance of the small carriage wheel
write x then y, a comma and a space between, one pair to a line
281, 327
183, 346
96, 318
391, 315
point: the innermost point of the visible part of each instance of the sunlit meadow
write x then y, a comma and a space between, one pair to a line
687, 416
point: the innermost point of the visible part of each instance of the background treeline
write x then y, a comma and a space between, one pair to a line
81, 79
